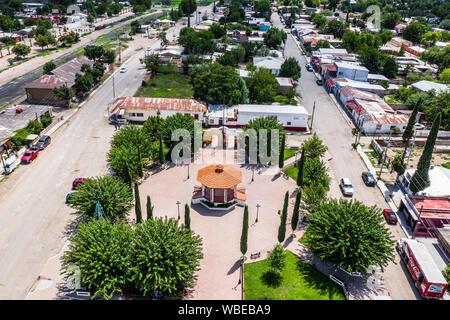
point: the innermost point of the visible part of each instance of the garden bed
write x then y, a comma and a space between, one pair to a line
169, 85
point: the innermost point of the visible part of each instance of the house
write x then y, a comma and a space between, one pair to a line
439, 182
335, 85
424, 214
271, 63
40, 91
291, 117
414, 50
284, 84
139, 109
374, 117
351, 71
256, 40
376, 78
425, 86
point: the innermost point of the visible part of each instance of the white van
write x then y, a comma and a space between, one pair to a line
10, 164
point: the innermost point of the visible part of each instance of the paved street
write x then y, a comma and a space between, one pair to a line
332, 128
13, 80
33, 216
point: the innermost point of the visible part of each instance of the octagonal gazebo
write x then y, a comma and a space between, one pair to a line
219, 187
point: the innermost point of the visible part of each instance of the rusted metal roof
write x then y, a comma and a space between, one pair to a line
144, 103
47, 81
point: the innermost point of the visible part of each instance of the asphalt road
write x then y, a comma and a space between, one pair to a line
12, 90
333, 129
34, 219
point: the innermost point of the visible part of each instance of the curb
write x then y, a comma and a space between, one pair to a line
381, 185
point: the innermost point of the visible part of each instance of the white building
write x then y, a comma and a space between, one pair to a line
425, 86
351, 71
271, 63
139, 109
439, 182
291, 117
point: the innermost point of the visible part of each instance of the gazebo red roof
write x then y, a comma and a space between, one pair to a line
219, 176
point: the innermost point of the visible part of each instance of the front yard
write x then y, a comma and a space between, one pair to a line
167, 85
300, 281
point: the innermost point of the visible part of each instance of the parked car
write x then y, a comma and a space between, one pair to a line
77, 181
43, 142
319, 82
390, 216
10, 164
29, 156
346, 187
419, 126
68, 196
123, 69
308, 67
369, 179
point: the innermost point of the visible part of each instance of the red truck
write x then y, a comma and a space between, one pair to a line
427, 276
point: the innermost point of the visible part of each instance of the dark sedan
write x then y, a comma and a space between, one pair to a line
369, 179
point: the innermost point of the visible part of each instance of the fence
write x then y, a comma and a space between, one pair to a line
340, 283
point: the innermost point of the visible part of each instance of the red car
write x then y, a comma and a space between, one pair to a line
77, 182
29, 155
390, 216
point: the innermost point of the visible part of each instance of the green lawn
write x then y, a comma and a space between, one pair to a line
292, 172
289, 152
171, 85
373, 157
299, 281
446, 165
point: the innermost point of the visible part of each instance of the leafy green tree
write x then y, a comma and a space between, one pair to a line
115, 197
277, 259
48, 66
268, 124
296, 213
152, 63
137, 204
291, 69
83, 82
446, 273
390, 20
314, 147
174, 122
444, 76
149, 208
319, 20
414, 31
166, 257
315, 170
188, 7
390, 66
162, 36
197, 42
283, 219
94, 52
21, 50
153, 127
420, 179
64, 92
262, 86
187, 216
301, 166
217, 30
349, 234
44, 40
101, 251
217, 84
335, 27
244, 234
274, 37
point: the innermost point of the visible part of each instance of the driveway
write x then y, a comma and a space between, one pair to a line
333, 129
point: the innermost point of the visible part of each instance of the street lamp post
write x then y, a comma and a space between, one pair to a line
257, 212
253, 173
178, 205
188, 171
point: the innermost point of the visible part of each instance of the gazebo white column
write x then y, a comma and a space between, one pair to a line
224, 195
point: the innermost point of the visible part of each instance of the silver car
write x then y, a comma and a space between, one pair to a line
346, 187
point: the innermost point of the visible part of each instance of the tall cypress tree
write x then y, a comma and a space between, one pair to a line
301, 165
161, 150
187, 216
283, 218
281, 159
420, 180
137, 207
409, 131
244, 235
149, 208
296, 213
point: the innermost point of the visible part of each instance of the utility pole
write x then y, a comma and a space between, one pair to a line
114, 88
312, 116
382, 162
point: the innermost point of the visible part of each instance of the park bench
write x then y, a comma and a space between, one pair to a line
255, 255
